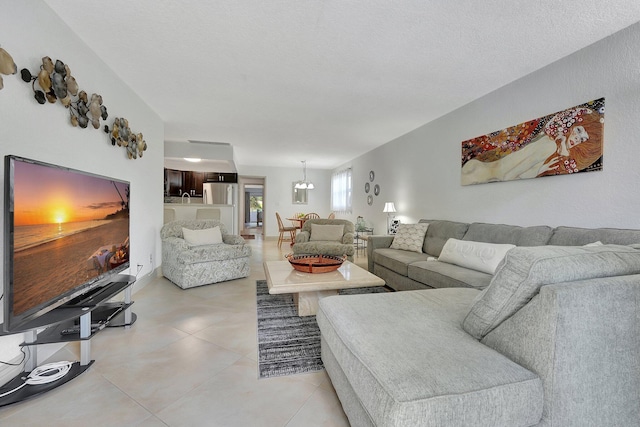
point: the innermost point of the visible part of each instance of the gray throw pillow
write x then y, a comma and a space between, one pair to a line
524, 270
321, 232
410, 237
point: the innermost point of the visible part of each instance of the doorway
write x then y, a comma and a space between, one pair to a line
252, 207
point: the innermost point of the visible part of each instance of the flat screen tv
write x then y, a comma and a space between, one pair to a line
66, 233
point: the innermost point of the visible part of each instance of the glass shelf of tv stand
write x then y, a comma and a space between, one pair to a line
58, 315
75, 309
104, 315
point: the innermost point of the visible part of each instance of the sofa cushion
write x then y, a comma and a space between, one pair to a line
513, 234
397, 261
433, 373
209, 253
439, 232
480, 256
320, 232
574, 236
410, 237
525, 269
324, 248
438, 274
205, 236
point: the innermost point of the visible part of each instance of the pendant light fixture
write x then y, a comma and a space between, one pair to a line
304, 184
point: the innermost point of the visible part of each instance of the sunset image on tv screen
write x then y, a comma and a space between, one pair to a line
69, 228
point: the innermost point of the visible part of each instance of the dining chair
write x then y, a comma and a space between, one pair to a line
169, 215
312, 215
282, 229
208, 213
332, 215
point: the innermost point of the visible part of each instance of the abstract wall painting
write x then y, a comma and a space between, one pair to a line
566, 142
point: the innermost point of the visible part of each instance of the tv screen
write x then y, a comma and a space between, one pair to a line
66, 232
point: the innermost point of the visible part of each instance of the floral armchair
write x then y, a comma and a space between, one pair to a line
326, 237
204, 255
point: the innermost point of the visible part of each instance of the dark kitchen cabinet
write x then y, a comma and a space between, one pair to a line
226, 177
190, 182
193, 183
173, 182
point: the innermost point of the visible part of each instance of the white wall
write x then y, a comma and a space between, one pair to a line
277, 193
30, 30
420, 171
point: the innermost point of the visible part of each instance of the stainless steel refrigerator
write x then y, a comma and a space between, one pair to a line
216, 193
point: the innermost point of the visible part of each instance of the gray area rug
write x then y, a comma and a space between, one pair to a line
288, 344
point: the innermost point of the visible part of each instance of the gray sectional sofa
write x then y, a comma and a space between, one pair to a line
553, 339
404, 270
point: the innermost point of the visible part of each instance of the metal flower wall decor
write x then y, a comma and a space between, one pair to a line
122, 135
55, 83
7, 66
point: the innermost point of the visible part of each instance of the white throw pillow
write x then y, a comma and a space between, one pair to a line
326, 232
478, 256
206, 236
410, 237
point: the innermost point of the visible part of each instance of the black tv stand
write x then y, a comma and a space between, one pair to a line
86, 317
30, 391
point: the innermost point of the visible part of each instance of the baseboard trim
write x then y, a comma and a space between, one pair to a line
146, 279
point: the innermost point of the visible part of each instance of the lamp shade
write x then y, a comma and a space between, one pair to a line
389, 207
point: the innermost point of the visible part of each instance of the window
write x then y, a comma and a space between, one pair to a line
341, 191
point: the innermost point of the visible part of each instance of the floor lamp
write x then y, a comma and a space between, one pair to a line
389, 208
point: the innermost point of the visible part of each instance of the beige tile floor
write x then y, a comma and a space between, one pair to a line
189, 360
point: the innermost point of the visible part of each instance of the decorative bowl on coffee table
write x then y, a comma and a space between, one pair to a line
315, 263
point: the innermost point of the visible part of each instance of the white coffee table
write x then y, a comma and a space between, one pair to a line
309, 288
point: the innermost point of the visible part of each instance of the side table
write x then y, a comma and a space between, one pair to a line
361, 238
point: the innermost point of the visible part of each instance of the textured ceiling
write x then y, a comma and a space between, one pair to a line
326, 80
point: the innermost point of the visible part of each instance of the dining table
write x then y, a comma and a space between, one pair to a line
299, 221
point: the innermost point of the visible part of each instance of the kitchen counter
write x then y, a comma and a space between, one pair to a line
178, 200
184, 211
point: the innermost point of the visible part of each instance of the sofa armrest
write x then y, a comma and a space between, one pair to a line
176, 243
302, 237
233, 239
581, 339
172, 247
376, 242
347, 239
